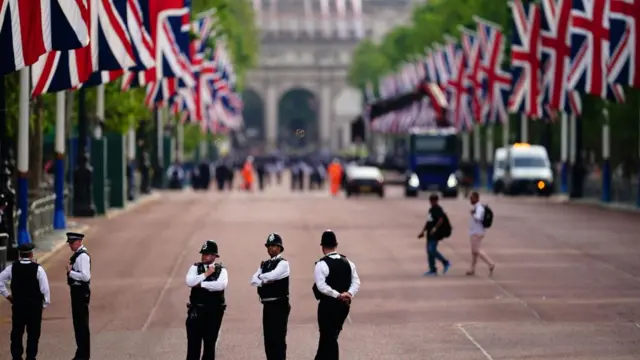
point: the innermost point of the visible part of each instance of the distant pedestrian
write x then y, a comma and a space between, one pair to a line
336, 283
29, 295
436, 228
79, 280
272, 281
476, 234
208, 281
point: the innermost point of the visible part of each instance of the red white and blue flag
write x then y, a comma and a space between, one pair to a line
460, 114
496, 82
526, 94
624, 62
473, 81
29, 29
590, 50
63, 70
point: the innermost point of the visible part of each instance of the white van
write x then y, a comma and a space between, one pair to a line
522, 169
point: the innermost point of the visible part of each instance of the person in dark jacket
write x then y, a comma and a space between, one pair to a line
207, 281
272, 281
29, 295
336, 283
435, 228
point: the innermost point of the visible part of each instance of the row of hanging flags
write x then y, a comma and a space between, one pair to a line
560, 49
71, 44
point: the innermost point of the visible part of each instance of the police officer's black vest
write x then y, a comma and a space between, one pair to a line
25, 287
202, 297
72, 260
339, 278
276, 289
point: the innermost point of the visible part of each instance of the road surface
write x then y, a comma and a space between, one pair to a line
567, 284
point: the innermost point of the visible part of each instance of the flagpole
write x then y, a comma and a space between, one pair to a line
506, 136
564, 153
131, 163
158, 171
82, 189
606, 166
477, 157
6, 186
59, 218
23, 159
489, 156
524, 128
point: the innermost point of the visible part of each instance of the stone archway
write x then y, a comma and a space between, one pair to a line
298, 118
253, 115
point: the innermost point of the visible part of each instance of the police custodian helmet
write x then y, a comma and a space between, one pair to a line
209, 247
328, 239
274, 239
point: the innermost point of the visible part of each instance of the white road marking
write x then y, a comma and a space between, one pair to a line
167, 284
477, 344
350, 321
219, 335
637, 325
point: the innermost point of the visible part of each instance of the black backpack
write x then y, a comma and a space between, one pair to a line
446, 228
487, 220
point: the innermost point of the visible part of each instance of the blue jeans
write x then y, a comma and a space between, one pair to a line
433, 254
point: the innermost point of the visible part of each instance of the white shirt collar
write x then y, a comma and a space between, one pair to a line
81, 247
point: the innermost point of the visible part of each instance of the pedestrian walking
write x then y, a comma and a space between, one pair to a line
207, 280
336, 283
79, 280
436, 229
272, 281
476, 234
29, 296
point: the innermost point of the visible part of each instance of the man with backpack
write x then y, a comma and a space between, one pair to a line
436, 228
481, 219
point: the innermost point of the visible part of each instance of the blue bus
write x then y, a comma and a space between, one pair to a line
432, 161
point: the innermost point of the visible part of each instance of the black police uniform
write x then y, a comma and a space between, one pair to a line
205, 311
332, 312
276, 308
80, 299
28, 301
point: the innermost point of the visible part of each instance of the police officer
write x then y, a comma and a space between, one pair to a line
207, 280
29, 295
79, 279
272, 281
336, 283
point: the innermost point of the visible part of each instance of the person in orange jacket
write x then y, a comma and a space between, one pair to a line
247, 174
335, 176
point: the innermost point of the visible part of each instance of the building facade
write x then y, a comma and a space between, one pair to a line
307, 45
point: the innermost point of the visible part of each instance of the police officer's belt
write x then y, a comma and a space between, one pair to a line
273, 299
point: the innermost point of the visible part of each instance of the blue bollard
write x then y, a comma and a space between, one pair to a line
564, 178
23, 204
490, 177
477, 181
606, 181
59, 218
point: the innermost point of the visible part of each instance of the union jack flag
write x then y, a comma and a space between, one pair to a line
624, 65
62, 70
526, 96
139, 30
114, 45
556, 50
590, 49
496, 81
473, 81
29, 29
459, 106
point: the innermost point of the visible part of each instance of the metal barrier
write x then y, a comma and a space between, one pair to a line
4, 245
41, 213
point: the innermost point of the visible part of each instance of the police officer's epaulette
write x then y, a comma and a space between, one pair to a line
219, 265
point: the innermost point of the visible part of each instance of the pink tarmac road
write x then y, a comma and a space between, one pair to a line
567, 284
